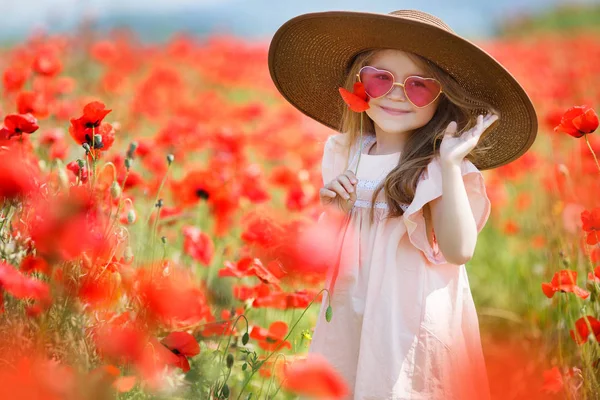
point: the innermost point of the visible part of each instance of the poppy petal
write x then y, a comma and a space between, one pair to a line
353, 101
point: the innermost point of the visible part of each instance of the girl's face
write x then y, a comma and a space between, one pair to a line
394, 113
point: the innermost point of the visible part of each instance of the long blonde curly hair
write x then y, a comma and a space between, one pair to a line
455, 104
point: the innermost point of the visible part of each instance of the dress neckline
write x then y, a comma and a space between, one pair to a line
369, 142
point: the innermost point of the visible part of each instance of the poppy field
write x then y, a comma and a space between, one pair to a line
159, 236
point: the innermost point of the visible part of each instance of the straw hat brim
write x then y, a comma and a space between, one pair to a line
310, 54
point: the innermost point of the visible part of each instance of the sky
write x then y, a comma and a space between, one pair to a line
258, 18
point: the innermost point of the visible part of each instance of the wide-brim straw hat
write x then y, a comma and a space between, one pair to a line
310, 55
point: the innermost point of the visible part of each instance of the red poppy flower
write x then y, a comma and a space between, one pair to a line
37, 264
21, 286
581, 332
357, 100
271, 339
198, 244
248, 266
14, 78
595, 276
73, 166
17, 178
47, 63
17, 124
578, 121
564, 281
172, 300
591, 225
33, 103
553, 381
82, 129
315, 377
183, 345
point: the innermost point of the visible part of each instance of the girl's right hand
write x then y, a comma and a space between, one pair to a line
340, 192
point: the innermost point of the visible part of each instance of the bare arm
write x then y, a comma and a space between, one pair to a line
452, 218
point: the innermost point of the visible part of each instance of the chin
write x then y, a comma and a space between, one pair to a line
394, 127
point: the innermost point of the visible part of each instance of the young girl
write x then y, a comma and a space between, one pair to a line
422, 120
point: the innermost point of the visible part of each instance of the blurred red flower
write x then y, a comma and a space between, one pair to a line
553, 381
314, 377
14, 78
198, 245
17, 176
581, 332
578, 121
271, 339
591, 225
47, 63
21, 286
564, 281
32, 103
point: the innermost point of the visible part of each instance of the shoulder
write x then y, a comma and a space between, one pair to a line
340, 140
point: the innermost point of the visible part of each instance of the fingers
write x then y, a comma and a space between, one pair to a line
345, 181
324, 192
451, 128
351, 176
337, 187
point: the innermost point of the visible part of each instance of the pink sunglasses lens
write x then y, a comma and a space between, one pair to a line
421, 91
376, 82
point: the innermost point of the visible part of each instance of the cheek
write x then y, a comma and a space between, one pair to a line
424, 116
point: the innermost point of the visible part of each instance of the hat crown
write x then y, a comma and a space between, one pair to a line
421, 16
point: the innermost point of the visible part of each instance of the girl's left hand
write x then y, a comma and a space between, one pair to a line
454, 149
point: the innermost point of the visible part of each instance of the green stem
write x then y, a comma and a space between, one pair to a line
360, 146
231, 333
8, 216
283, 341
592, 151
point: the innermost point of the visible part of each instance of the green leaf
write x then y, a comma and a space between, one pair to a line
328, 313
244, 366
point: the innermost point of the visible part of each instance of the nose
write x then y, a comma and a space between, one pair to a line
397, 93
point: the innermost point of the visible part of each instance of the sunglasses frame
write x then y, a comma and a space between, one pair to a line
403, 85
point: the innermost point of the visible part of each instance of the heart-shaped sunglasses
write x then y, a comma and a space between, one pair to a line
420, 91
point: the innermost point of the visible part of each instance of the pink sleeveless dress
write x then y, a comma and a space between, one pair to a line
404, 325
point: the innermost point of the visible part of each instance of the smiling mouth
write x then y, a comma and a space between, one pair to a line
393, 111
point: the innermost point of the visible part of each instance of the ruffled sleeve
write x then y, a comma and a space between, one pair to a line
335, 158
428, 188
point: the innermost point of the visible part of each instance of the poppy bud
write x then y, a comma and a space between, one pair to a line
132, 147
328, 313
128, 254
128, 163
131, 216
163, 239
80, 163
229, 360
225, 391
245, 338
86, 147
115, 190
98, 141
170, 158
